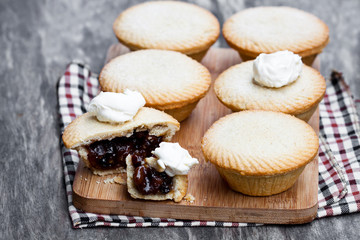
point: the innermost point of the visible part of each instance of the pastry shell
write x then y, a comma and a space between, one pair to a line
86, 129
168, 25
271, 29
237, 90
168, 80
260, 153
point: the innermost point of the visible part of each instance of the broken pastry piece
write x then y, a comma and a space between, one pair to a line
115, 126
161, 175
104, 146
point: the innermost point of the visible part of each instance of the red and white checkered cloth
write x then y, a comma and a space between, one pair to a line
339, 153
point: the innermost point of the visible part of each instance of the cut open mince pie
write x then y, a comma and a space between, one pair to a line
108, 148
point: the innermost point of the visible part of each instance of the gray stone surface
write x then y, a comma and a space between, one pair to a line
38, 39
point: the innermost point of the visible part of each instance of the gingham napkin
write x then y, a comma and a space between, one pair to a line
339, 153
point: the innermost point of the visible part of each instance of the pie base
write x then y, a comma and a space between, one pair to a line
198, 56
260, 185
308, 114
182, 113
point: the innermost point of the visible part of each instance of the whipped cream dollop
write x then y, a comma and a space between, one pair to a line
116, 107
174, 159
277, 69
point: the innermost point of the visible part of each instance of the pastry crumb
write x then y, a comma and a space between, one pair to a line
120, 179
189, 198
97, 182
109, 180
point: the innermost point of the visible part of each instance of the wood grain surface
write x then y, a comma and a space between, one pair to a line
214, 200
39, 38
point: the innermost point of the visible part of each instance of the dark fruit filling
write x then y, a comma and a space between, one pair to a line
149, 181
111, 154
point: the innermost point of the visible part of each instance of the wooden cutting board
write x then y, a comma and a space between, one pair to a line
213, 198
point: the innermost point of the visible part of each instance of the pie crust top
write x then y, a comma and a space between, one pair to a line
86, 129
260, 143
176, 26
270, 29
166, 79
237, 90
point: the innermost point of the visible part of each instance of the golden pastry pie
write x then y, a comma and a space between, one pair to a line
168, 80
237, 90
167, 25
260, 153
270, 29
